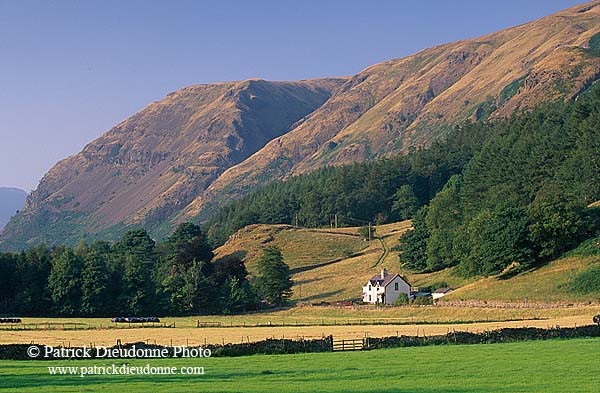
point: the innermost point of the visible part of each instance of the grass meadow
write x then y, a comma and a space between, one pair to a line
534, 366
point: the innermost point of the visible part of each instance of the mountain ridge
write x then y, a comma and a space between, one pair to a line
180, 158
554, 64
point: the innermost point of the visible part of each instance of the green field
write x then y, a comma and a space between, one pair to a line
534, 366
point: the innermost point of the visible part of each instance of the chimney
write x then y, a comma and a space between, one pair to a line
383, 273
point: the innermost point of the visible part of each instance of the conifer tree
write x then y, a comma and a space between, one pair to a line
274, 280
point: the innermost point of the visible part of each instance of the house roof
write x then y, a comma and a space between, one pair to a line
376, 279
443, 290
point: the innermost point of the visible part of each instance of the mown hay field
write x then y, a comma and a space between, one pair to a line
358, 314
187, 335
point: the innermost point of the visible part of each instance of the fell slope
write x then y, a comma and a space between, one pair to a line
326, 264
333, 264
156, 162
394, 106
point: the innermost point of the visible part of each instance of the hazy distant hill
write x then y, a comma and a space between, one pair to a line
11, 200
178, 158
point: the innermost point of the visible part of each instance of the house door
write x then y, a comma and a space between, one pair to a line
383, 298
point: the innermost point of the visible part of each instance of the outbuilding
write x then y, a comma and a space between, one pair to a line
441, 292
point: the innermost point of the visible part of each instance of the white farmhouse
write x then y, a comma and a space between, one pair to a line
385, 288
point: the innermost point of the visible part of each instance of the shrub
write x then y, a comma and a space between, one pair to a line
421, 300
401, 301
587, 281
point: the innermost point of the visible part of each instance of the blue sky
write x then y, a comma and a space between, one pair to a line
69, 70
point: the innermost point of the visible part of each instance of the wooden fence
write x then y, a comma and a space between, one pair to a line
83, 326
349, 322
352, 344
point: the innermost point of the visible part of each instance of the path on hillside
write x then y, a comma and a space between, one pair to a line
386, 248
382, 240
385, 253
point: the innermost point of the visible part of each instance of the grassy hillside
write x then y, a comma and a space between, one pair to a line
550, 283
333, 264
327, 264
301, 248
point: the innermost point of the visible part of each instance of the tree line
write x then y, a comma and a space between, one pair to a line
137, 276
378, 191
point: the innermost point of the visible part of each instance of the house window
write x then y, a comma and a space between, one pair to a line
369, 287
396, 286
